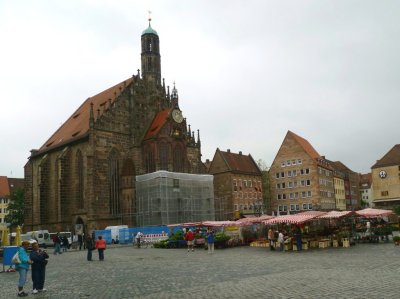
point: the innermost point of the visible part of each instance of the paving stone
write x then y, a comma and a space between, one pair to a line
362, 271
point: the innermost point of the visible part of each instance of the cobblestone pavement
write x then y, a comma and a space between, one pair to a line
362, 271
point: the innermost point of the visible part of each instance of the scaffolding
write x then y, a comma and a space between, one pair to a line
164, 197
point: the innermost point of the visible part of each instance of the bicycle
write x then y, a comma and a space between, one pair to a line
144, 243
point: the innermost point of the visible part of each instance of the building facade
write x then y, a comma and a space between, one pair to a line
84, 174
300, 178
351, 186
386, 180
366, 192
237, 185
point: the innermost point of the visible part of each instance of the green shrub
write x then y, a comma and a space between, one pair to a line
221, 237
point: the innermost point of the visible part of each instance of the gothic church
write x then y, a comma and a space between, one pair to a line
84, 174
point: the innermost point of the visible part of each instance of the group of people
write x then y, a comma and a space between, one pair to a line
189, 238
61, 243
280, 237
37, 259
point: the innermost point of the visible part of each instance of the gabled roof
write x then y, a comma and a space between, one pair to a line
240, 163
4, 187
308, 148
340, 166
77, 126
366, 179
392, 158
158, 122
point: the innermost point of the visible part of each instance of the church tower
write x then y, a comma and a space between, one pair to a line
151, 59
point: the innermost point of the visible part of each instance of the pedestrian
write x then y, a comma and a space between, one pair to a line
210, 240
189, 237
138, 238
80, 241
90, 247
298, 239
64, 243
39, 261
101, 246
281, 241
271, 239
23, 267
57, 243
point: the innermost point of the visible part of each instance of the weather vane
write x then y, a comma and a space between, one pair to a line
149, 16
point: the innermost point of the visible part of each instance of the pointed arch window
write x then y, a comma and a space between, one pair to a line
114, 183
178, 163
150, 163
163, 156
79, 175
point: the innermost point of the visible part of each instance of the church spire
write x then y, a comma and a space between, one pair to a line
151, 59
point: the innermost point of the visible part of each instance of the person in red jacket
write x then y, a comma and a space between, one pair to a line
101, 246
189, 239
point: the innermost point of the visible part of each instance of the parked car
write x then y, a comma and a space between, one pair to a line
42, 237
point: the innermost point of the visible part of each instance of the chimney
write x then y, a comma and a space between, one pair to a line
228, 150
240, 152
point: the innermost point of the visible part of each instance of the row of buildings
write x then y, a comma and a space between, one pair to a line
128, 156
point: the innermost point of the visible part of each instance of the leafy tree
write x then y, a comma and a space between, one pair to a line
265, 185
15, 208
397, 210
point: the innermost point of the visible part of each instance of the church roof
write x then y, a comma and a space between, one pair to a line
158, 122
392, 158
77, 125
149, 30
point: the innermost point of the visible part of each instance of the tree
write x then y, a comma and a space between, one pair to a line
265, 185
15, 208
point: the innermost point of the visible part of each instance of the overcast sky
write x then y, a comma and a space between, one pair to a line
246, 71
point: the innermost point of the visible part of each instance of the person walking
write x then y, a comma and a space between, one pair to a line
101, 246
57, 244
90, 247
210, 241
281, 241
138, 238
189, 237
271, 239
23, 267
39, 261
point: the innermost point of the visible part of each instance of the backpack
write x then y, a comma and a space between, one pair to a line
15, 259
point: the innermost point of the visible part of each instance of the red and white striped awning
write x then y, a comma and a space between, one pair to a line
372, 213
186, 224
291, 219
336, 214
219, 223
253, 220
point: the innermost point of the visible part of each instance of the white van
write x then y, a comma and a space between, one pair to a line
42, 237
115, 232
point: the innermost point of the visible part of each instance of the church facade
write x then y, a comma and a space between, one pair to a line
84, 174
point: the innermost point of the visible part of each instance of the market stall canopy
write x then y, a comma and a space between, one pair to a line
336, 214
372, 213
294, 219
253, 220
220, 223
187, 224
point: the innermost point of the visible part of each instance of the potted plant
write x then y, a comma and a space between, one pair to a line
396, 240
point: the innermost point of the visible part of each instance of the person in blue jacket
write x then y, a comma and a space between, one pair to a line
210, 240
23, 267
39, 261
